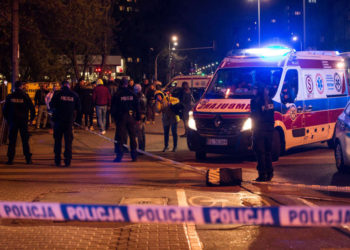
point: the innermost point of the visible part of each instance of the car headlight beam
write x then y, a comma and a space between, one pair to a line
191, 121
247, 125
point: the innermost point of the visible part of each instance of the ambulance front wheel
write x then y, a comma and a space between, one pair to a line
276, 145
339, 157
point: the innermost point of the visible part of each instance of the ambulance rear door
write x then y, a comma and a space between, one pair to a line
316, 108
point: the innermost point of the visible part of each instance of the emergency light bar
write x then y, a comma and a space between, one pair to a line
272, 51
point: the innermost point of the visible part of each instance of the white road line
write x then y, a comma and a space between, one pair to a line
189, 228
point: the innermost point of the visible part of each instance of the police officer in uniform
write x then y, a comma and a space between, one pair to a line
16, 109
262, 114
65, 104
125, 111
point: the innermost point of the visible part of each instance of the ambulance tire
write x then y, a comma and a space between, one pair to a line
276, 145
201, 155
339, 158
331, 143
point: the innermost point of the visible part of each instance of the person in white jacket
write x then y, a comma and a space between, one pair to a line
48, 98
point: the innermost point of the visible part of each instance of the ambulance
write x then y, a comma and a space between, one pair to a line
196, 83
309, 90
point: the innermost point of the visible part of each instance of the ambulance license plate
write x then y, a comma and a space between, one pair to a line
217, 142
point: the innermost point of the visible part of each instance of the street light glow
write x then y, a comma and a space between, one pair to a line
174, 38
295, 38
175, 43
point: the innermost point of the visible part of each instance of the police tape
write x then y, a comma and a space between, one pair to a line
295, 216
328, 188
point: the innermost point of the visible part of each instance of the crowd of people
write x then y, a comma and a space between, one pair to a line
130, 106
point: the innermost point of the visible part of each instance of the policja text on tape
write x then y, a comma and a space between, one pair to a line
271, 216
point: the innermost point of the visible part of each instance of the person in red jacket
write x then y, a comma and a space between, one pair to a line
102, 100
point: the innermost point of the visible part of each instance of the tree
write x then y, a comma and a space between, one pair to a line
75, 28
53, 30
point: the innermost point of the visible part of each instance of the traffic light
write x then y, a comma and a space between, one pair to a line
98, 69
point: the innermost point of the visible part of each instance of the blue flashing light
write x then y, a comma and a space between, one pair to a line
271, 51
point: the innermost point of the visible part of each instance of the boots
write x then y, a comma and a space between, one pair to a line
29, 159
261, 178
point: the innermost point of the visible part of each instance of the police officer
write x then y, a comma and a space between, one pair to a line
262, 114
16, 109
125, 111
64, 104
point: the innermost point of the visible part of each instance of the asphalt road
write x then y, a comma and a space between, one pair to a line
94, 178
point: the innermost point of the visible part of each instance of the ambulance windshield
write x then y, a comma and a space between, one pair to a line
239, 82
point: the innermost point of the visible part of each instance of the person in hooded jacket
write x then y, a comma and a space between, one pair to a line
140, 127
15, 111
64, 104
164, 105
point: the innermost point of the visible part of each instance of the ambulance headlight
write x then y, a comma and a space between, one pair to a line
191, 121
247, 125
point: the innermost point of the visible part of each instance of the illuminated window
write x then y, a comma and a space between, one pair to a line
129, 1
129, 59
297, 13
138, 60
312, 1
273, 21
121, 8
129, 9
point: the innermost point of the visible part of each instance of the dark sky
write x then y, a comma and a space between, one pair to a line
197, 23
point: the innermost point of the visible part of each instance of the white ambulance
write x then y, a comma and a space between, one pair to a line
196, 83
309, 92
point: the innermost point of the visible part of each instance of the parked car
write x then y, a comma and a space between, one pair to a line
342, 140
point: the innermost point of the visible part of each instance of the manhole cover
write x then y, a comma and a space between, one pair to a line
144, 201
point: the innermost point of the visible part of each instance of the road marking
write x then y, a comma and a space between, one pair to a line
197, 200
189, 228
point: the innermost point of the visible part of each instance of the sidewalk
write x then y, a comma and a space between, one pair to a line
93, 178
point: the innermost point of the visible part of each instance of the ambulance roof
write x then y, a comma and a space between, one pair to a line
276, 57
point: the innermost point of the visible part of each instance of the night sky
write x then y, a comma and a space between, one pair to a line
198, 23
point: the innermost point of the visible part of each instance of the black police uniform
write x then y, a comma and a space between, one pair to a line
262, 114
65, 103
125, 111
16, 109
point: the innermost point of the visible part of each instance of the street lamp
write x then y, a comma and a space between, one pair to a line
296, 39
304, 23
258, 22
173, 41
